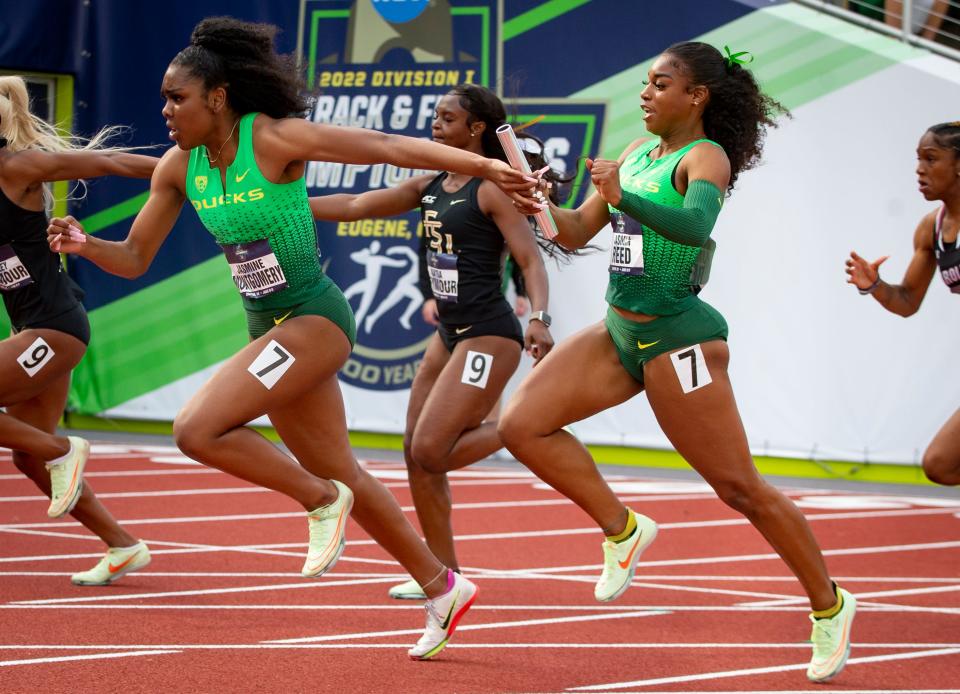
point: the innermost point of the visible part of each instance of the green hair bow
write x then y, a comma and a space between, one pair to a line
737, 58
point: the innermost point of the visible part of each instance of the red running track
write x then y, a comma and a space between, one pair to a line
222, 608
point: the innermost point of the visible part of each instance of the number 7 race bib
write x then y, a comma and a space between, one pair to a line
255, 268
13, 273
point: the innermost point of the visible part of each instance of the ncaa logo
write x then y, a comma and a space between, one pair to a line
400, 11
380, 279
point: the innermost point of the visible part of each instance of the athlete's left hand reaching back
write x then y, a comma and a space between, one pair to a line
861, 272
537, 341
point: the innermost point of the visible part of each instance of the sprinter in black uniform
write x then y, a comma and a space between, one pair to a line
50, 328
467, 225
935, 251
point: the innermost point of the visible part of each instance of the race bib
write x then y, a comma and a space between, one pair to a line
626, 253
13, 273
444, 278
255, 269
949, 265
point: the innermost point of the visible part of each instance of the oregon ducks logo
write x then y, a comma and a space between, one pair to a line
201, 183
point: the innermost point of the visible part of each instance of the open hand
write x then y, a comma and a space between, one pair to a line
862, 273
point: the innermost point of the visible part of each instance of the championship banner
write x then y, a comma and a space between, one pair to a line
385, 65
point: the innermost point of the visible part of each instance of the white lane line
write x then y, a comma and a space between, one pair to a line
143, 495
132, 473
726, 558
644, 582
219, 574
822, 691
67, 658
403, 576
698, 610
49, 533
473, 482
761, 670
873, 594
295, 646
698, 525
163, 521
473, 627
306, 583
257, 549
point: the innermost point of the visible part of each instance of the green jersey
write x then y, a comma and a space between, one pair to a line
266, 230
649, 273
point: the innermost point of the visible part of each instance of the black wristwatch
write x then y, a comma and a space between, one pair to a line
541, 316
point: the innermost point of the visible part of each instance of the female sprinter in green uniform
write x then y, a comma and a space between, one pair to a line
466, 221
50, 326
935, 250
662, 198
239, 160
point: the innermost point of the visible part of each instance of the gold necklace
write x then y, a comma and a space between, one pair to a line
236, 122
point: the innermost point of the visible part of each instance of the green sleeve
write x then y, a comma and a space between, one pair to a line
690, 225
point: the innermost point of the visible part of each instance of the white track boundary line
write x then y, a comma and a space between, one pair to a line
307, 646
697, 525
877, 594
645, 577
67, 658
145, 495
885, 609
130, 473
761, 671
473, 627
306, 584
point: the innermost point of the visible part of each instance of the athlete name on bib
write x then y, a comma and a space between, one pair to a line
255, 269
444, 277
626, 253
949, 265
13, 273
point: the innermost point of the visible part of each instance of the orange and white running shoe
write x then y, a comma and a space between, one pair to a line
66, 477
117, 562
620, 559
831, 641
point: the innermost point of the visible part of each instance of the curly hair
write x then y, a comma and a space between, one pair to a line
738, 113
239, 56
947, 135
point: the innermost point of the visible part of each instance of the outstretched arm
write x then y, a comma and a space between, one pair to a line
38, 166
522, 244
905, 298
384, 202
295, 139
131, 257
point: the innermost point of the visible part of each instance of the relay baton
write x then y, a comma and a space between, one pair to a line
518, 161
